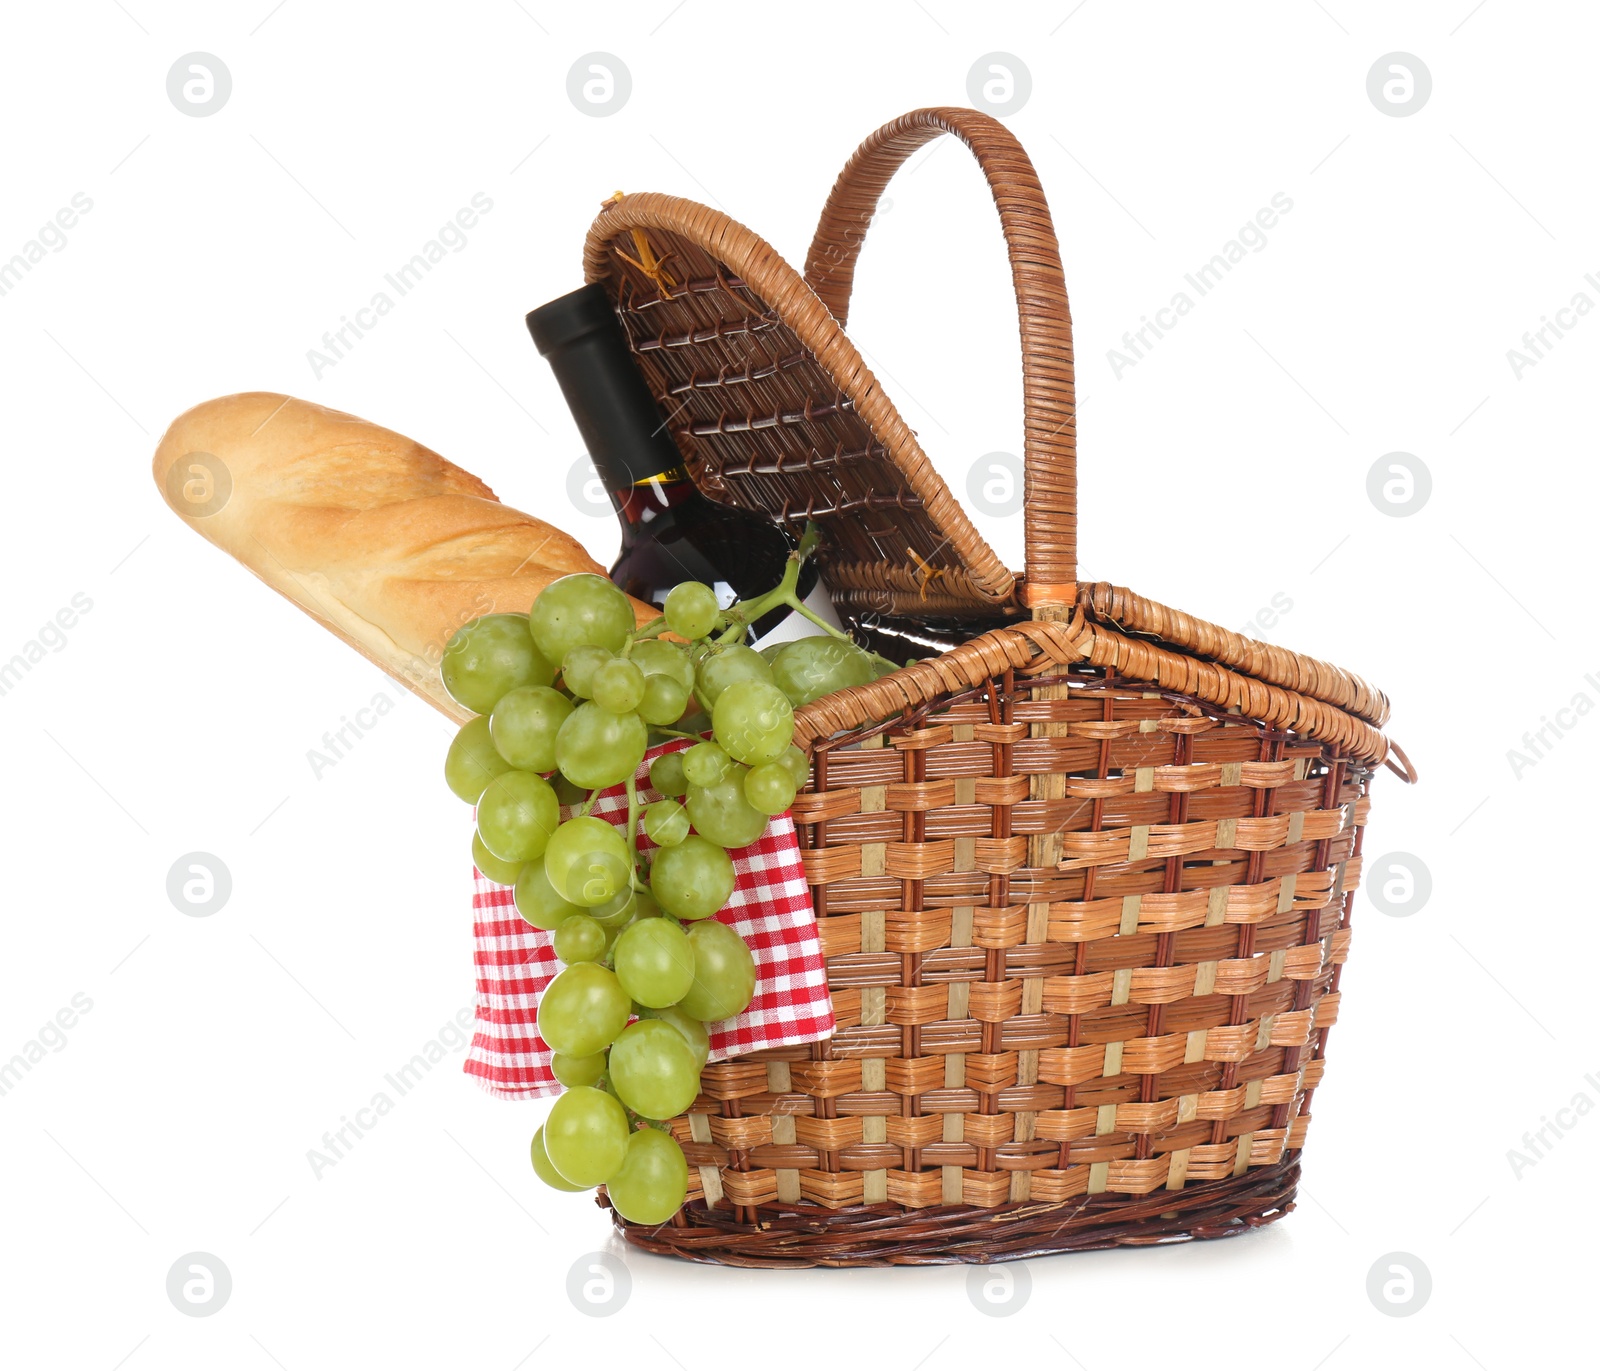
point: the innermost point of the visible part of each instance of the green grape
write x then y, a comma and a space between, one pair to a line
724, 973
663, 699
545, 1169
517, 813
692, 880
501, 873
582, 608
652, 1069
618, 686
472, 762
579, 666
667, 823
691, 609
537, 900
666, 775
705, 764
490, 656
582, 1010
579, 939
650, 1185
588, 861
596, 748
721, 812
694, 1032
809, 668
586, 1135
524, 725
797, 764
657, 657
645, 906
720, 668
771, 650
571, 1071
753, 721
617, 912
654, 963
769, 787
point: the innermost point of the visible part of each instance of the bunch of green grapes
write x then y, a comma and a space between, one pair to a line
568, 699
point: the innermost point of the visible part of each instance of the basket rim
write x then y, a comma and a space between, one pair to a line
1119, 608
1035, 646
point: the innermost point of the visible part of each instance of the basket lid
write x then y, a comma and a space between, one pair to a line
775, 411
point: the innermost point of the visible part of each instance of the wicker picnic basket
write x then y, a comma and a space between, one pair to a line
1083, 883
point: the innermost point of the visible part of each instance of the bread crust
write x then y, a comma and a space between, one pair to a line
378, 538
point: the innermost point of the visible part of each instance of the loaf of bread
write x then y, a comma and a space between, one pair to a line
380, 540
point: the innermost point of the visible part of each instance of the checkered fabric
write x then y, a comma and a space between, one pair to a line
770, 908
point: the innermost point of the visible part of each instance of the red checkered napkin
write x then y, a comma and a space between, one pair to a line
770, 908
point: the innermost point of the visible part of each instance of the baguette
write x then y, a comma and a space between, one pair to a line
379, 539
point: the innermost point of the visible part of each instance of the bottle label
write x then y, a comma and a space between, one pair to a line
646, 498
670, 477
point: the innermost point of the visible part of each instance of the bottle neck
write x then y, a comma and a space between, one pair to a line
625, 433
648, 499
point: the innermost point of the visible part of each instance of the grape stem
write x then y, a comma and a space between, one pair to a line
747, 612
588, 803
633, 835
654, 629
733, 624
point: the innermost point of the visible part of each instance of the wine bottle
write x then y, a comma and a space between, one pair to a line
671, 532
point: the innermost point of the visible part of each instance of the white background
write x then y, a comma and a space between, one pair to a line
1226, 467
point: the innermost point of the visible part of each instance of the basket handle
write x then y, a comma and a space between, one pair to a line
1050, 494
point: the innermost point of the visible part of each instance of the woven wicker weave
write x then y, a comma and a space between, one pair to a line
1083, 883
